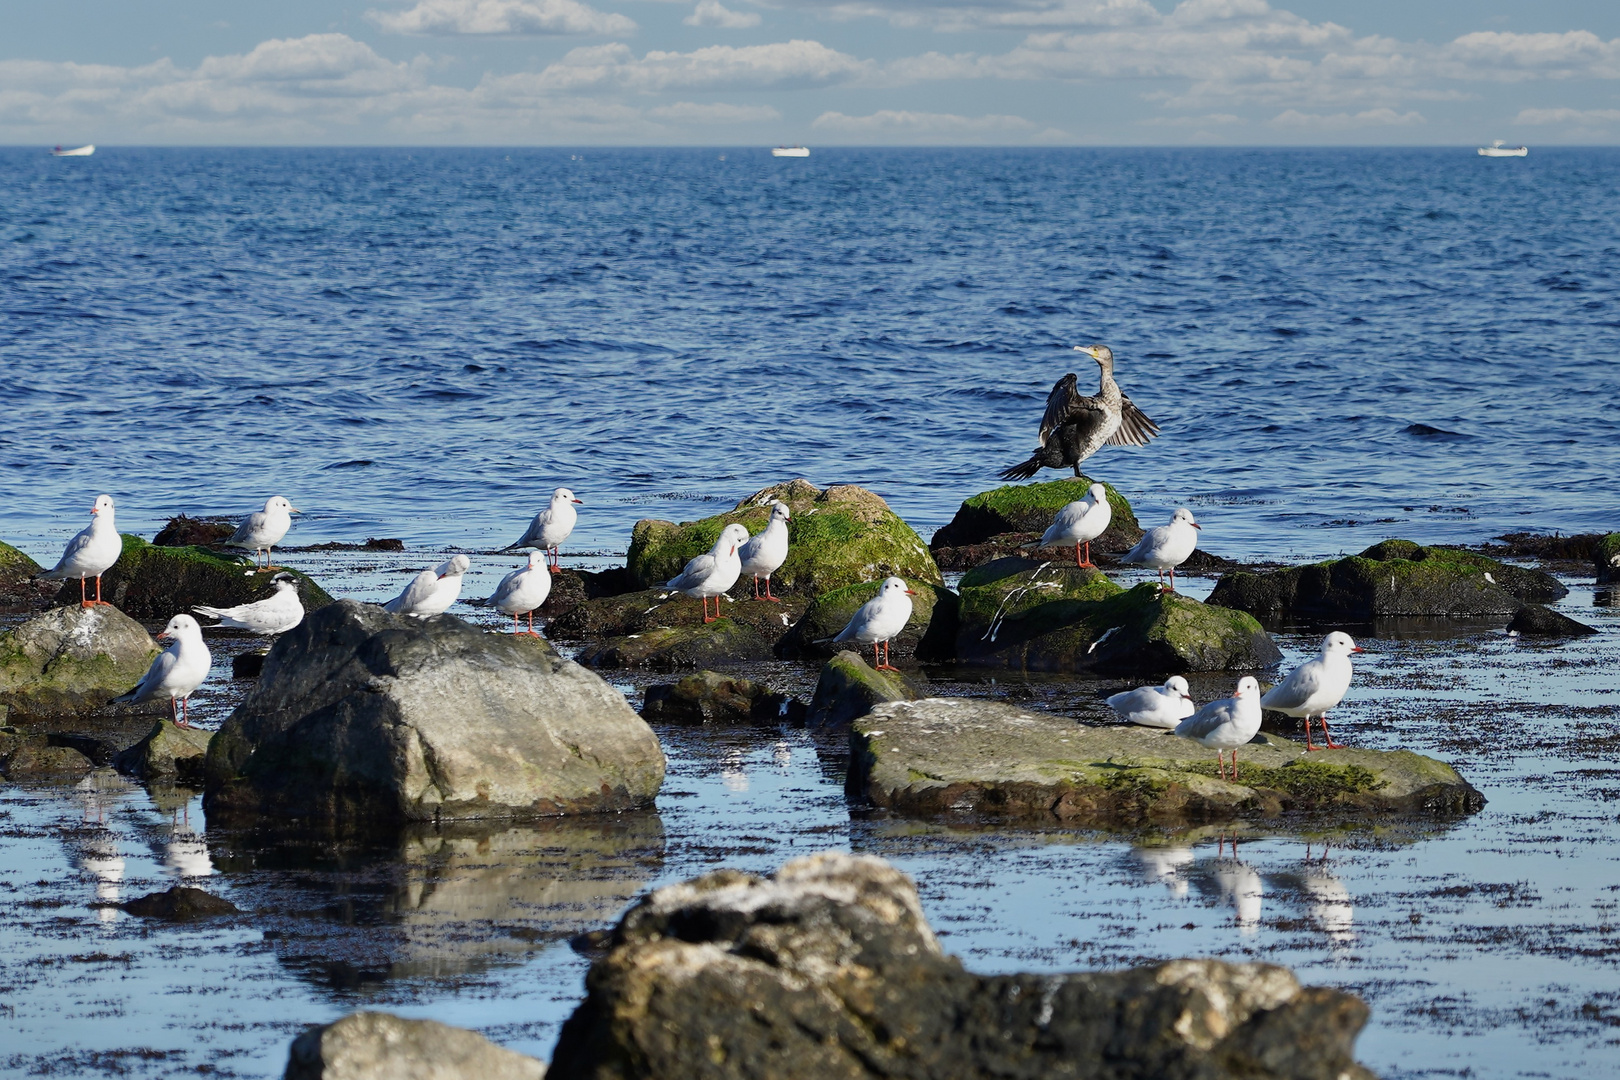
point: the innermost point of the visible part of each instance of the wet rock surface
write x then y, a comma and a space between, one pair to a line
828, 969
945, 755
1029, 509
1538, 620
184, 531
570, 588
664, 630
381, 1046
929, 634
849, 688
666, 648
37, 757
18, 589
168, 753
72, 660
182, 903
710, 697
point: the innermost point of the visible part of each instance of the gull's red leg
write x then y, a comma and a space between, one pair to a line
768, 595
1327, 739
84, 597
756, 586
1308, 744
1077, 561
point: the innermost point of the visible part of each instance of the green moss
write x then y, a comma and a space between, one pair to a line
15, 566
1608, 558
1310, 781
1019, 503
152, 582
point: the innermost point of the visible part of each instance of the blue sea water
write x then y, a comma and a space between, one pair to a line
1340, 345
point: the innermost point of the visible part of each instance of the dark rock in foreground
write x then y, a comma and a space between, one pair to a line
712, 698
380, 1046
365, 716
1030, 508
929, 635
943, 755
828, 969
180, 904
183, 531
169, 752
1536, 620
849, 687
72, 660
18, 589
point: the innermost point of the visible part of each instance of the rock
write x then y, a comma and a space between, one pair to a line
1392, 578
381, 1046
664, 630
829, 969
169, 752
928, 637
372, 543
363, 716
183, 531
710, 697
1029, 509
1021, 614
849, 687
248, 665
1607, 560
180, 904
156, 583
838, 536
35, 757
18, 589
943, 755
570, 588
72, 660
668, 647
1536, 620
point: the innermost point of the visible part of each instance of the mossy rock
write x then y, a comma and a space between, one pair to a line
15, 567
168, 752
71, 661
943, 756
652, 609
849, 688
724, 641
838, 536
156, 583
1021, 614
1030, 508
1607, 560
929, 636
710, 697
1390, 579
36, 757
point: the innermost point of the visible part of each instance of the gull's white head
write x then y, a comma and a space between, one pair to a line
563, 495
276, 504
104, 505
1100, 353
893, 586
181, 626
1175, 684
780, 511
1183, 516
1098, 493
455, 566
1339, 643
537, 559
731, 537
283, 582
1247, 688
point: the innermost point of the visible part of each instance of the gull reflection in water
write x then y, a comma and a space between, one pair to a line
185, 853
1238, 885
1330, 906
1164, 866
96, 851
732, 771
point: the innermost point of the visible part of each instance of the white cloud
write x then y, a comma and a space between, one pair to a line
1341, 121
1584, 117
980, 15
714, 13
689, 112
502, 17
782, 65
891, 120
1578, 53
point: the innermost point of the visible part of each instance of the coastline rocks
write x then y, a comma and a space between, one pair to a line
836, 537
364, 716
1607, 560
72, 660
17, 586
849, 687
181, 903
1392, 578
929, 634
665, 648
183, 531
1022, 614
943, 755
1030, 508
34, 757
381, 1046
829, 969
712, 698
664, 630
1537, 620
168, 752
570, 588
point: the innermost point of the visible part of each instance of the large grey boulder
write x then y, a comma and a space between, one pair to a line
71, 661
829, 969
381, 1046
361, 715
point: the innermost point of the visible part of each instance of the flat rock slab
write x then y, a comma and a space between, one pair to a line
943, 755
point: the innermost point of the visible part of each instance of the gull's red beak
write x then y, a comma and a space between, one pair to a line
1186, 697
1358, 648
1195, 525
911, 592
580, 501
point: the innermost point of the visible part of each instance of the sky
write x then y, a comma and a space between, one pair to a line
829, 72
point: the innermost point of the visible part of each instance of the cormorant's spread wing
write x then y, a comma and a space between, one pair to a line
1135, 429
1066, 404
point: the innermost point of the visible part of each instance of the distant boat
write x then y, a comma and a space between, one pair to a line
790, 151
1496, 149
83, 151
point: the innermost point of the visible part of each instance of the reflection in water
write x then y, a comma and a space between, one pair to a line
1330, 906
1164, 866
94, 848
734, 771
1239, 885
185, 853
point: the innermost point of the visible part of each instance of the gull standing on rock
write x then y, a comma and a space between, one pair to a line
523, 590
432, 591
714, 573
1075, 426
273, 615
178, 671
764, 554
1165, 547
1226, 724
263, 529
1080, 522
1316, 686
91, 552
881, 619
552, 526
1155, 706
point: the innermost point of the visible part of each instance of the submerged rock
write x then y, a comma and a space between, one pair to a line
849, 687
36, 757
666, 648
1607, 561
944, 755
829, 969
836, 537
363, 716
1537, 620
183, 531
664, 630
929, 635
712, 698
169, 752
72, 660
1030, 508
1037, 616
180, 904
381, 1046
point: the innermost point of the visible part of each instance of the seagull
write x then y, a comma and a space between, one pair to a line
1075, 426
276, 614
1226, 724
1165, 547
1080, 522
432, 591
263, 529
880, 619
180, 669
523, 590
1316, 686
551, 526
91, 552
715, 572
1155, 706
765, 553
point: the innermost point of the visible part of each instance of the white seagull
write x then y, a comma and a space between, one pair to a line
523, 590
1226, 724
551, 526
263, 529
432, 591
1155, 706
91, 552
715, 572
180, 669
275, 614
1165, 547
1316, 686
1080, 522
763, 555
881, 619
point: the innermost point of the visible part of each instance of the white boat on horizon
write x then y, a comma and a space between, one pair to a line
82, 151
1496, 149
790, 151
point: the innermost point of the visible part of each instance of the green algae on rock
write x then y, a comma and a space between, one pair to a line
665, 648
1030, 508
838, 536
943, 755
1607, 559
929, 634
168, 752
72, 660
849, 687
15, 567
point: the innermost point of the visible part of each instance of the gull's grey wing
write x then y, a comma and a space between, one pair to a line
1206, 720
251, 524
153, 679
1295, 690
420, 588
696, 571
